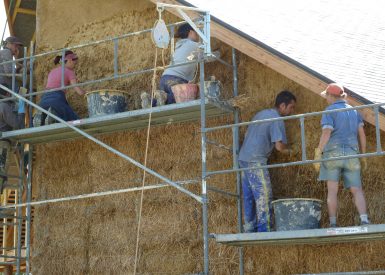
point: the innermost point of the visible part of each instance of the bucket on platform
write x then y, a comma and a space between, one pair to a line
185, 92
105, 102
297, 214
213, 88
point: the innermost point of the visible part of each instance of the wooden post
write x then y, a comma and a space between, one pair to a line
8, 270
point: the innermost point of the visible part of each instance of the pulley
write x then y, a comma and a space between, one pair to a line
159, 34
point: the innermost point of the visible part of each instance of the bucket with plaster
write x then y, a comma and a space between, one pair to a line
213, 88
297, 214
185, 92
105, 102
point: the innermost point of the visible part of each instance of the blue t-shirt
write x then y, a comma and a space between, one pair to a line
260, 138
344, 125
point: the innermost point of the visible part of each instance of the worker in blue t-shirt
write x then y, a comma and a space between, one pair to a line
259, 142
342, 133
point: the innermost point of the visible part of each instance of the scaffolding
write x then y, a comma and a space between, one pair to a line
202, 109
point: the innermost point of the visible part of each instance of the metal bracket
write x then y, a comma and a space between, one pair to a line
205, 35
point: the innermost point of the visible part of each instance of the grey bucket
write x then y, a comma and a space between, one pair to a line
297, 214
213, 88
105, 102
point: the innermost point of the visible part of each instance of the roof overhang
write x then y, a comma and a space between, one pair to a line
280, 63
21, 15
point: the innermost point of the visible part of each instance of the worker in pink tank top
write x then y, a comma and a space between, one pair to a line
56, 101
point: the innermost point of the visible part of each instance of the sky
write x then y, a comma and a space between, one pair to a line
3, 19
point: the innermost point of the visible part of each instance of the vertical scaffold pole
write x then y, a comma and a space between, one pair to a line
303, 138
378, 135
19, 212
204, 187
63, 56
235, 131
31, 60
28, 214
116, 64
29, 179
207, 50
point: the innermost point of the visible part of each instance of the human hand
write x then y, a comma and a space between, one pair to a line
317, 156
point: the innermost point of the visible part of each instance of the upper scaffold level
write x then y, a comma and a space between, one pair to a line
131, 120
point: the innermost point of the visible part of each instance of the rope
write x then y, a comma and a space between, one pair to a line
145, 159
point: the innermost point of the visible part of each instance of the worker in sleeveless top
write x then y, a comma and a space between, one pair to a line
56, 101
186, 49
259, 142
342, 134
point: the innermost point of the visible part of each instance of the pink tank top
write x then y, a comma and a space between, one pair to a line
54, 78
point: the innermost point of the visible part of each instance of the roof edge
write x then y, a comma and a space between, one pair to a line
283, 56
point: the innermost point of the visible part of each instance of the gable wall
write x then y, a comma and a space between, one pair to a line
98, 236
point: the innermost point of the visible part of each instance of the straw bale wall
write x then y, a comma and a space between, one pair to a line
98, 236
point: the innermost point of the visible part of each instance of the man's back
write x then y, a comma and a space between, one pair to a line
260, 138
344, 125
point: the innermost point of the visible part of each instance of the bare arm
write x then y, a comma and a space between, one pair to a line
79, 90
281, 147
325, 136
362, 139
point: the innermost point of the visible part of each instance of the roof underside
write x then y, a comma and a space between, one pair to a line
21, 19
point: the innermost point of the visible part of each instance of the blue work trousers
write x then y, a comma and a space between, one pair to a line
257, 198
166, 82
58, 102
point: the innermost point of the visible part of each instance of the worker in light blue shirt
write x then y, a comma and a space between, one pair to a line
259, 142
342, 135
186, 49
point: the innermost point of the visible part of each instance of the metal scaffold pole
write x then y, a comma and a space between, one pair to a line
235, 131
28, 212
204, 168
19, 212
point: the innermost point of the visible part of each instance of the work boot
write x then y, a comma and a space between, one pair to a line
50, 120
333, 225
37, 119
161, 97
146, 100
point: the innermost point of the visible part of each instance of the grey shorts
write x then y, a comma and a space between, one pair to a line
348, 169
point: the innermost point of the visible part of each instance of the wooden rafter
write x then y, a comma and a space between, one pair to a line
6, 6
26, 11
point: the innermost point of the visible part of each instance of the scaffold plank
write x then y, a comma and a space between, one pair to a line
313, 236
126, 121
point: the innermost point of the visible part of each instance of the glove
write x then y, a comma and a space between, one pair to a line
317, 156
364, 164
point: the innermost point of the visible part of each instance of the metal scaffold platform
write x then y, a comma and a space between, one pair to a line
131, 120
310, 236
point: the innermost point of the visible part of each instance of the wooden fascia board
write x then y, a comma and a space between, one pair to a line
287, 69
